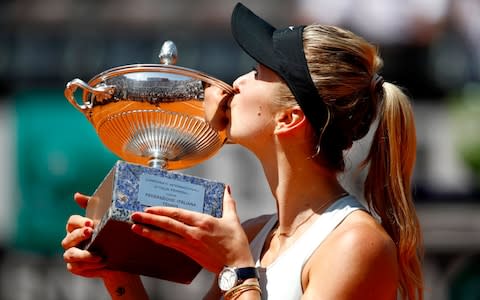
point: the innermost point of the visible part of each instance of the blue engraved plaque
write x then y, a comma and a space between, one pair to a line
159, 190
131, 187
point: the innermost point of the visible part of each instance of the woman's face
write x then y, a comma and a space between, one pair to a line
251, 111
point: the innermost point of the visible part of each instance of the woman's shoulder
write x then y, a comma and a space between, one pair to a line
363, 257
360, 236
253, 226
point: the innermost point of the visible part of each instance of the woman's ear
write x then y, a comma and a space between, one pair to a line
290, 119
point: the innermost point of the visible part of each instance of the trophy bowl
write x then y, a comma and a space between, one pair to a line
152, 117
152, 114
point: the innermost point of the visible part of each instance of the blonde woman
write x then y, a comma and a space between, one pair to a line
315, 90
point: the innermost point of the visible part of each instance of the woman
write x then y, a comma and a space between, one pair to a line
314, 92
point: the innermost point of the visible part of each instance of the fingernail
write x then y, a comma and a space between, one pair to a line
87, 232
136, 217
228, 189
88, 223
139, 229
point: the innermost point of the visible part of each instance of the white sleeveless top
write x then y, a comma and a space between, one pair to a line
281, 280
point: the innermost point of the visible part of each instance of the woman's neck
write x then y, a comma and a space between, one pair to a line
302, 188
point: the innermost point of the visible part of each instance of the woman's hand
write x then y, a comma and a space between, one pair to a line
120, 285
215, 106
212, 242
79, 229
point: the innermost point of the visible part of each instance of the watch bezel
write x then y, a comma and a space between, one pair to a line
221, 276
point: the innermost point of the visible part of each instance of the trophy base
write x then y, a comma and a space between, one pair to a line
128, 188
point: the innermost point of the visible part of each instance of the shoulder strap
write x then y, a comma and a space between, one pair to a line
256, 245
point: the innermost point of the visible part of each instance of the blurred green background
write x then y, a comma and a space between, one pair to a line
58, 154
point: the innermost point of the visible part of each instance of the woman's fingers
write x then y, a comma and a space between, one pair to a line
79, 229
161, 219
172, 227
82, 262
157, 235
81, 199
76, 255
181, 222
229, 204
77, 236
77, 221
210, 241
184, 216
85, 270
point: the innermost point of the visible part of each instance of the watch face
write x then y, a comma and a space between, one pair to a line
227, 279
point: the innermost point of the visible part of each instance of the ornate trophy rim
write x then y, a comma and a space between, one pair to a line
171, 69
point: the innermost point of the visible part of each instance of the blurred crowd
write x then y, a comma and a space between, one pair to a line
431, 45
434, 40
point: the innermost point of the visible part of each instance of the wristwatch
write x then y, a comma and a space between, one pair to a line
230, 277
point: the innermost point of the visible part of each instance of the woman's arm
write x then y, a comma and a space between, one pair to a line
124, 286
251, 228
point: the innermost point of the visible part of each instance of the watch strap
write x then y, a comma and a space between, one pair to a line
247, 273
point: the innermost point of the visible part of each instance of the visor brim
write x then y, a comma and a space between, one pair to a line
254, 35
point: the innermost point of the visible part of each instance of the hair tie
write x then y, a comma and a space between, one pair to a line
377, 81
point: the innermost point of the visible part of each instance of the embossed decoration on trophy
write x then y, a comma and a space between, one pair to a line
151, 116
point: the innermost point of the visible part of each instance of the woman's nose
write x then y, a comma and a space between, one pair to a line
238, 82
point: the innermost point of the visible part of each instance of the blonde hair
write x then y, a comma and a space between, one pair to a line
343, 67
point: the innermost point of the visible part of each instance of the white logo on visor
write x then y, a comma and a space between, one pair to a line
291, 27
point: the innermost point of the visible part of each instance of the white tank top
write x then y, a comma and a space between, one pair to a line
282, 280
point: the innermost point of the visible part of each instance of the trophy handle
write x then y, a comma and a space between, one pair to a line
100, 92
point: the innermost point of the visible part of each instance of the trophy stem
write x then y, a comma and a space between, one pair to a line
157, 162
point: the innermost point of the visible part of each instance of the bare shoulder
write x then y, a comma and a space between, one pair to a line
254, 225
357, 261
361, 232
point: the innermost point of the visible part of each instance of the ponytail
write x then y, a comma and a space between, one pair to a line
388, 185
344, 68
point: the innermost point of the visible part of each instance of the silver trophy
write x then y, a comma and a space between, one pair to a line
152, 117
